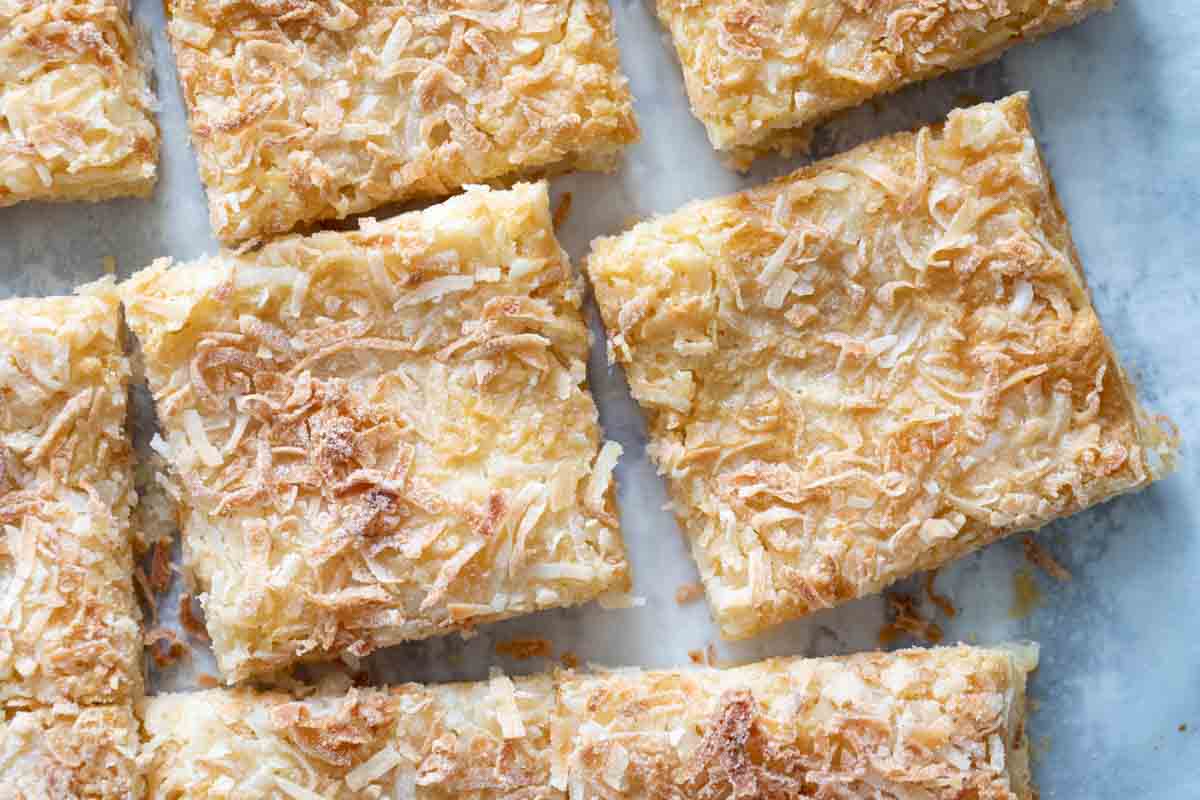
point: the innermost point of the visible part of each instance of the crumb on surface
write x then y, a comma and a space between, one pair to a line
943, 602
193, 625
1040, 557
165, 647
526, 648
563, 210
689, 593
569, 660
908, 620
1027, 597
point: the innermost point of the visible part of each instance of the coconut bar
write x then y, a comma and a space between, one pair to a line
871, 367
939, 724
70, 752
76, 112
382, 435
761, 73
309, 111
69, 624
479, 741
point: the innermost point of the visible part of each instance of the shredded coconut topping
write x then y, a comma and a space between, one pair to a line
938, 724
821, 444
300, 112
68, 616
761, 73
76, 119
367, 461
468, 741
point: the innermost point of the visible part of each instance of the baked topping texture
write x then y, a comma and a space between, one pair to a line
382, 435
940, 724
69, 624
76, 111
871, 367
70, 752
302, 111
761, 73
478, 741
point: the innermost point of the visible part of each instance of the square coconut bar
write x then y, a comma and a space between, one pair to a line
309, 111
69, 623
382, 435
871, 367
70, 752
940, 724
76, 112
761, 73
474, 741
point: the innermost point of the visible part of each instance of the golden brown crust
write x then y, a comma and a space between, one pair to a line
302, 111
382, 435
69, 624
941, 724
479, 741
69, 753
871, 367
761, 73
76, 120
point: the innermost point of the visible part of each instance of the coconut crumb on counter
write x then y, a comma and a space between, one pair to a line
69, 617
760, 75
192, 624
524, 649
907, 620
1040, 557
563, 210
302, 112
76, 111
165, 647
569, 660
941, 601
871, 367
382, 435
689, 593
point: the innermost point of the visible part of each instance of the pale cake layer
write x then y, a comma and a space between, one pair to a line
760, 73
76, 113
69, 624
308, 111
940, 724
70, 753
871, 367
382, 435
478, 741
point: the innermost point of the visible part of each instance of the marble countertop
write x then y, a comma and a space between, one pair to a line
1117, 696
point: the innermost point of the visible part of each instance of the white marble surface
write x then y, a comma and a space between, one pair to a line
1117, 114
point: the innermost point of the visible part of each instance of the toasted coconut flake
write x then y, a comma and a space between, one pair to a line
1040, 557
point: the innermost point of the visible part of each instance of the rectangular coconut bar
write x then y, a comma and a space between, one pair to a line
70, 752
76, 112
382, 435
761, 73
938, 724
69, 623
477, 741
871, 367
309, 111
